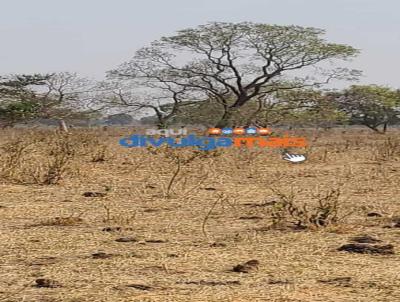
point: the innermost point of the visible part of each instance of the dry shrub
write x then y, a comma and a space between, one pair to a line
243, 158
323, 211
40, 158
388, 150
89, 144
99, 154
12, 156
60, 155
121, 219
179, 161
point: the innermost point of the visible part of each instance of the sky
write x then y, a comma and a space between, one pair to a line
92, 36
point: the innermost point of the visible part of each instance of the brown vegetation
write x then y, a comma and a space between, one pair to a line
182, 225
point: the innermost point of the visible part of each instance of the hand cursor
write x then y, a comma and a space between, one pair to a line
294, 158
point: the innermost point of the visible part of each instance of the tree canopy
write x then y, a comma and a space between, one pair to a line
24, 98
371, 105
241, 60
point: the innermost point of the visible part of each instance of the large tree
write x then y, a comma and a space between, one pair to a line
370, 105
219, 61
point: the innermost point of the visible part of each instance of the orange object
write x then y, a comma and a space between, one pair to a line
214, 131
239, 131
284, 142
297, 142
248, 142
272, 142
264, 131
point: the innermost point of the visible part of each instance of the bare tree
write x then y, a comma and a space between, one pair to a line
66, 95
243, 60
163, 99
25, 98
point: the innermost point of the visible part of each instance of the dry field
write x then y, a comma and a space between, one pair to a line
84, 219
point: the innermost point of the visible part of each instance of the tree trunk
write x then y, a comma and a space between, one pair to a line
385, 125
375, 128
161, 124
63, 126
226, 119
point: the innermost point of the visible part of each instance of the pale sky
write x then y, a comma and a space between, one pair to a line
93, 36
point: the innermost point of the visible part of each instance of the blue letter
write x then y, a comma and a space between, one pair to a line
208, 143
136, 141
190, 141
224, 142
172, 142
156, 143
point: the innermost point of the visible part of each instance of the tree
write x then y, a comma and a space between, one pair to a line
205, 113
129, 97
164, 100
18, 101
295, 107
370, 105
219, 61
298, 107
67, 96
119, 119
25, 98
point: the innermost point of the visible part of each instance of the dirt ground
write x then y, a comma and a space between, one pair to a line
89, 220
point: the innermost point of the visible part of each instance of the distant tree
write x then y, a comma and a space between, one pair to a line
370, 105
300, 107
25, 98
126, 96
206, 113
18, 101
66, 96
131, 97
119, 119
219, 61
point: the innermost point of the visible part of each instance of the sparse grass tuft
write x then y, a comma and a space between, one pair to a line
323, 211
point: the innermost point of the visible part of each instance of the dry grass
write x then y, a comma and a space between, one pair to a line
195, 216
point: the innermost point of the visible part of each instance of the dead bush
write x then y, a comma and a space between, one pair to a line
60, 155
121, 219
388, 150
322, 211
179, 162
99, 154
13, 154
43, 158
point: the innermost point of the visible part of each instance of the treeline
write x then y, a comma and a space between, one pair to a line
373, 106
218, 74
